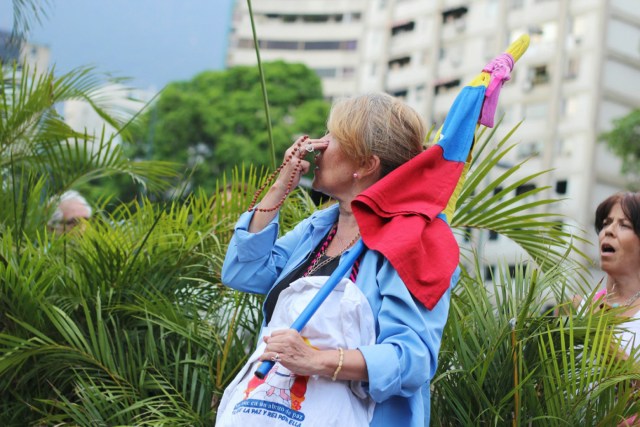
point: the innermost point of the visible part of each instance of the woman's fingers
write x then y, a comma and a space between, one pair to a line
272, 356
295, 165
314, 146
305, 146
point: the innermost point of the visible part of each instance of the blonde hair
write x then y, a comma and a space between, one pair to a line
377, 124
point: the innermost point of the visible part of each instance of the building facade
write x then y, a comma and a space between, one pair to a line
581, 71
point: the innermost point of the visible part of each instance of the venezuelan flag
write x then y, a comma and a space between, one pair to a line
404, 215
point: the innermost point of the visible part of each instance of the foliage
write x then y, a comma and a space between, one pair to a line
507, 358
126, 324
41, 156
121, 321
491, 206
26, 13
215, 121
624, 141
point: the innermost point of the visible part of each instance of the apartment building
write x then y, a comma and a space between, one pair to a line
582, 70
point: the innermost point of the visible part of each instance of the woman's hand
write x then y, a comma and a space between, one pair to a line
300, 358
292, 170
293, 353
289, 173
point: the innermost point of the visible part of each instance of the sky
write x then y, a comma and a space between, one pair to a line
153, 42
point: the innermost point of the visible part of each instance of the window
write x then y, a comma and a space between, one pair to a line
489, 272
451, 15
444, 87
325, 72
493, 235
398, 63
349, 45
325, 45
539, 75
402, 28
315, 18
525, 188
466, 235
331, 45
561, 186
279, 44
402, 93
571, 68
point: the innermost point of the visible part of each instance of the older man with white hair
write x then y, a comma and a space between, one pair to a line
71, 210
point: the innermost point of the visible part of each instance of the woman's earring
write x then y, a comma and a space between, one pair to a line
355, 175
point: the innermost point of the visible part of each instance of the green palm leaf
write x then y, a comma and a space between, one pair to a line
488, 205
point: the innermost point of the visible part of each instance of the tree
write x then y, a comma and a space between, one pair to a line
624, 142
216, 120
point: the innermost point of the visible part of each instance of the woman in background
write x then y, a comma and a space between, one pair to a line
617, 223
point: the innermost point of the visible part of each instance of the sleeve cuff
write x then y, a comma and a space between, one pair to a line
383, 370
253, 246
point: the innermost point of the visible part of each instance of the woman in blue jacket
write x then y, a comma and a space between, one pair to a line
368, 137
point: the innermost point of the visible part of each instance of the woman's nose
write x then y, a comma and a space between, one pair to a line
608, 229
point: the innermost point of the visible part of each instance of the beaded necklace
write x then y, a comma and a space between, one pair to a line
318, 262
271, 177
626, 303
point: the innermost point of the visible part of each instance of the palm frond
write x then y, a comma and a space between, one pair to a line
505, 358
26, 13
487, 204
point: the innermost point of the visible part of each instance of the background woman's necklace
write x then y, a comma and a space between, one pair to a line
627, 302
318, 262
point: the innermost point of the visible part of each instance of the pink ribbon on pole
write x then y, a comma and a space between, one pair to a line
500, 69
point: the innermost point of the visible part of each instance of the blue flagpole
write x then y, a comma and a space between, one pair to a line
326, 289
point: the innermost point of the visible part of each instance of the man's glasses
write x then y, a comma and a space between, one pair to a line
69, 222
